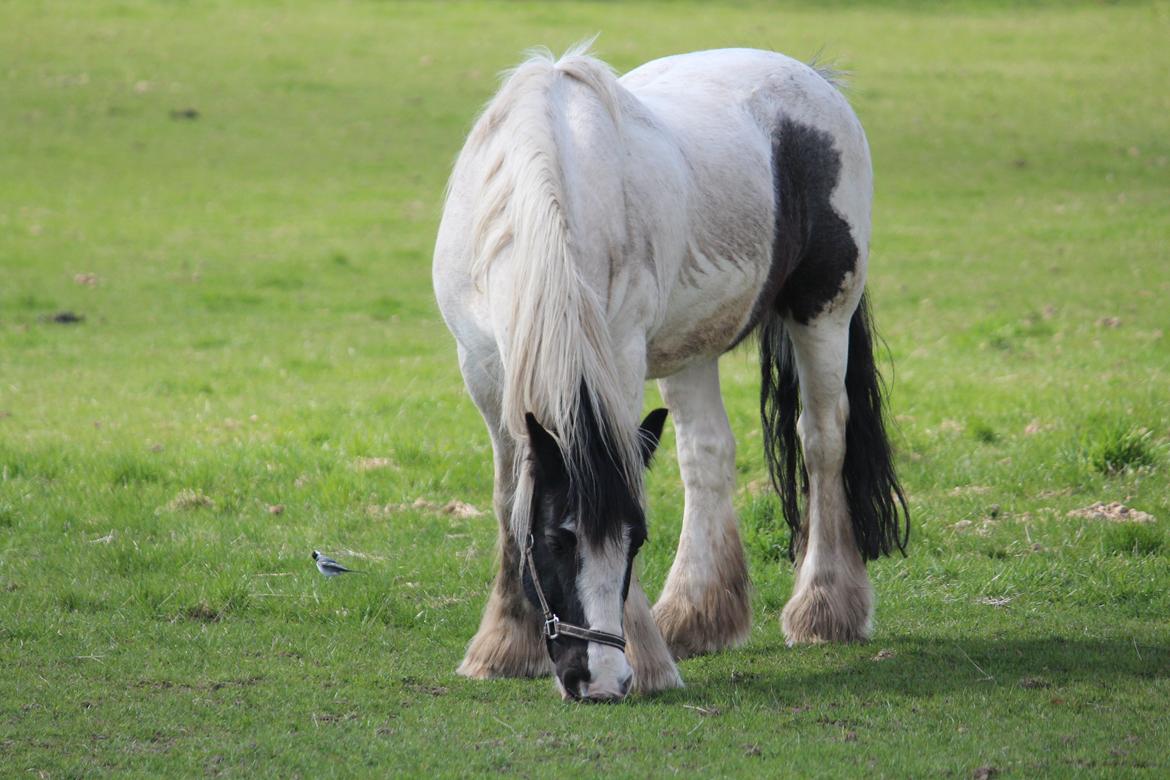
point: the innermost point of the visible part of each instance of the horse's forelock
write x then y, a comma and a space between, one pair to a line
605, 489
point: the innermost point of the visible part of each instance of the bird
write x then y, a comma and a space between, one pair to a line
330, 567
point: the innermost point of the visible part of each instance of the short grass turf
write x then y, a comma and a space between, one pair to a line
236, 202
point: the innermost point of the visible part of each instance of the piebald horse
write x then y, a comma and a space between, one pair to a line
602, 231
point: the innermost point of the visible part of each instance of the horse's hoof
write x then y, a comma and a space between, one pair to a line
822, 614
719, 619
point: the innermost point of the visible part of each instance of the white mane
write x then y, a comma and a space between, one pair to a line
557, 339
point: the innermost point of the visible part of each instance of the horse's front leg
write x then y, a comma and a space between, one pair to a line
509, 642
705, 605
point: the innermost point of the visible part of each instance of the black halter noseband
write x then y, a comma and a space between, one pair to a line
553, 627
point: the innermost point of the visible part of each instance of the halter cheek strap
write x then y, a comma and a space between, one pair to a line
553, 627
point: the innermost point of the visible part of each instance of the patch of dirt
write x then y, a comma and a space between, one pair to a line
163, 685
884, 655
460, 509
203, 612
983, 529
969, 490
1036, 426
454, 508
188, 499
984, 773
276, 509
427, 688
374, 464
1114, 512
240, 682
757, 487
85, 280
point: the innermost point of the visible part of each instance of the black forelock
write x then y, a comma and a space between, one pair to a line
599, 489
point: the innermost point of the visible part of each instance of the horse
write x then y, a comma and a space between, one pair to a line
599, 232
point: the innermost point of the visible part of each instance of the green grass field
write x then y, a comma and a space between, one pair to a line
240, 199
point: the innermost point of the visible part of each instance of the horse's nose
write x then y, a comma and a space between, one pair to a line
600, 694
575, 683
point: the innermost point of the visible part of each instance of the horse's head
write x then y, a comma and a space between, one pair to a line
587, 524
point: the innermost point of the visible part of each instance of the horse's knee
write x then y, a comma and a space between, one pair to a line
709, 462
822, 438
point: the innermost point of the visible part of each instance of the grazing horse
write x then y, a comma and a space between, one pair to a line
599, 232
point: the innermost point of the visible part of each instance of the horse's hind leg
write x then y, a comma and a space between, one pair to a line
832, 599
705, 605
509, 642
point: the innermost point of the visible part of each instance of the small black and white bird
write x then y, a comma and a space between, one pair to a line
330, 567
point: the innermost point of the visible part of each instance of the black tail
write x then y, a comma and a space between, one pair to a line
877, 505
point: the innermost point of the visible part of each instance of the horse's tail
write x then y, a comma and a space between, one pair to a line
555, 345
877, 504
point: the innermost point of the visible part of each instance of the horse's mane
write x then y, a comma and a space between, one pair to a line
557, 353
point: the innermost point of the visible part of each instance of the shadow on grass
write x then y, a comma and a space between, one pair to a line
917, 667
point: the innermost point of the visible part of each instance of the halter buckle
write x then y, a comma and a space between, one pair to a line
552, 627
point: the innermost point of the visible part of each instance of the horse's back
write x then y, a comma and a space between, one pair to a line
680, 245
733, 112
728, 85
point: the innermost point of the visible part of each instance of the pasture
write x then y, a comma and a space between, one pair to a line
219, 350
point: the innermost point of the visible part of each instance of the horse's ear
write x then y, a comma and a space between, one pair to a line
546, 454
650, 433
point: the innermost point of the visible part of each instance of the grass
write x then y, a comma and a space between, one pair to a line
239, 202
1119, 449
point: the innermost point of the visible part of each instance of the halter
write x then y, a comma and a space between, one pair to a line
553, 627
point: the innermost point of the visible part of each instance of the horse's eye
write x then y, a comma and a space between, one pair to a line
562, 540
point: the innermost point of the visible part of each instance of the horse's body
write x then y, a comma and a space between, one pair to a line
599, 232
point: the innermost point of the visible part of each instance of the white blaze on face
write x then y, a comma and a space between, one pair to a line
599, 586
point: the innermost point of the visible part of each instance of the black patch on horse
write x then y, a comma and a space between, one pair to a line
812, 252
812, 241
812, 247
